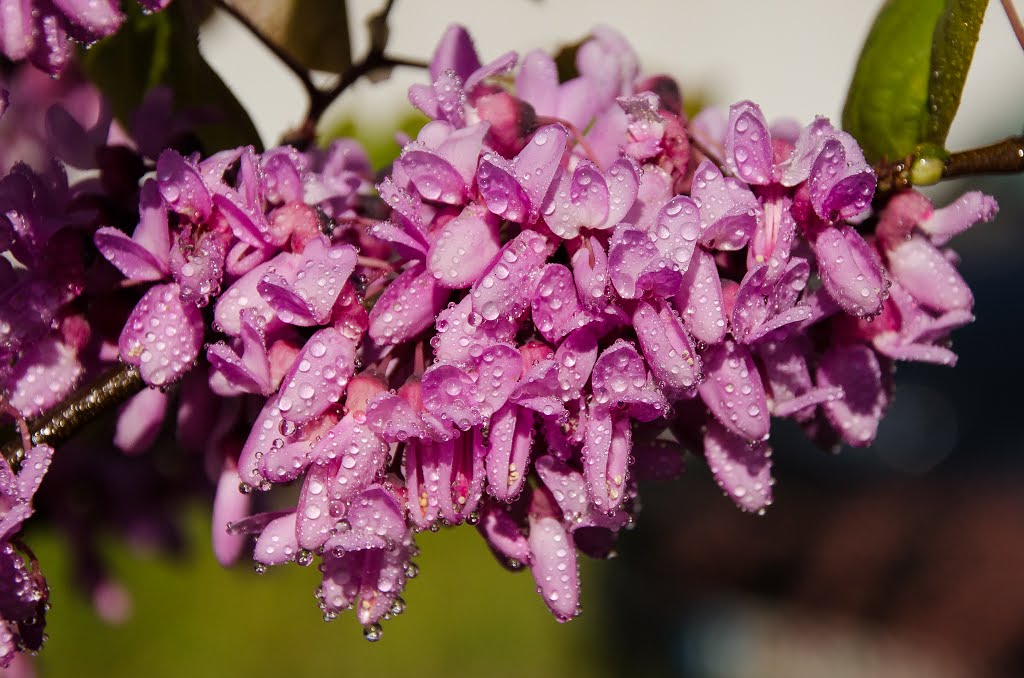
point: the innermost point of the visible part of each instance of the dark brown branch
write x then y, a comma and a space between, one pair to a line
63, 421
1014, 18
1002, 157
282, 55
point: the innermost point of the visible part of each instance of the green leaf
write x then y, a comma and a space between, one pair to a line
952, 50
888, 97
162, 49
312, 32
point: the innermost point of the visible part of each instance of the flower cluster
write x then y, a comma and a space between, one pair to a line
42, 31
557, 287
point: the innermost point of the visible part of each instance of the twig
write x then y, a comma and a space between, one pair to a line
1011, 14
63, 421
1002, 157
291, 64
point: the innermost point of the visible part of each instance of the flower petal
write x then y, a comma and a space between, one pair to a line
407, 307
464, 248
667, 347
508, 451
700, 300
553, 558
162, 336
733, 391
318, 376
748, 144
729, 212
742, 469
856, 370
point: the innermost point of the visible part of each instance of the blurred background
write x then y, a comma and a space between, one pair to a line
906, 559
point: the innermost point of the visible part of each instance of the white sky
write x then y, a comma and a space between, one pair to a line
793, 58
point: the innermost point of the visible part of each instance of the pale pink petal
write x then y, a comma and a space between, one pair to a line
407, 307
743, 470
733, 391
162, 336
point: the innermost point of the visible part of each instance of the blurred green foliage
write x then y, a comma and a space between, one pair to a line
465, 616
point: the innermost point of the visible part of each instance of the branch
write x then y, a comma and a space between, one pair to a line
295, 67
63, 421
1011, 14
1002, 157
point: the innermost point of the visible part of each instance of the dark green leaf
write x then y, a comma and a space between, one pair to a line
888, 98
952, 50
162, 49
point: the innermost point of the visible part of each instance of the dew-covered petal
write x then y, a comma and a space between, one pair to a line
434, 178
553, 558
182, 188
928, 276
318, 376
507, 451
619, 377
502, 533
575, 358
407, 306
556, 306
700, 300
306, 296
249, 372
314, 521
537, 164
464, 248
392, 418
506, 287
498, 372
268, 427
729, 212
841, 183
567, 486
46, 372
733, 390
606, 451
637, 266
850, 270
277, 543
284, 462
667, 347
805, 153
676, 231
502, 192
34, 466
856, 370
967, 210
748, 145
229, 505
462, 149
590, 271
463, 335
373, 521
742, 469
162, 336
588, 193
450, 399
539, 390
140, 420
144, 256
243, 294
